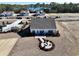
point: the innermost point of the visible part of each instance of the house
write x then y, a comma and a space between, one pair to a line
43, 26
33, 9
7, 13
24, 13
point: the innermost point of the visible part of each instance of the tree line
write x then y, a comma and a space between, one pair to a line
53, 7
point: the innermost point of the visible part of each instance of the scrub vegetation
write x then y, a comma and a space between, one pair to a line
53, 7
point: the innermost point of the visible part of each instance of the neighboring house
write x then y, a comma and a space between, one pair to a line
43, 26
32, 9
23, 13
7, 13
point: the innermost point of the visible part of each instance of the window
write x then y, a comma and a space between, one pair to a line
40, 32
50, 32
33, 32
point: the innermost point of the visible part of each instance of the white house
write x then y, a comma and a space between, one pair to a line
43, 26
8, 13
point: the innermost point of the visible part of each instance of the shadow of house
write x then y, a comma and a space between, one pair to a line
25, 33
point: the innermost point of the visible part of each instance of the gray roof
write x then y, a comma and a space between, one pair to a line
43, 23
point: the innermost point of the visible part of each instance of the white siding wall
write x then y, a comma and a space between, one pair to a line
45, 30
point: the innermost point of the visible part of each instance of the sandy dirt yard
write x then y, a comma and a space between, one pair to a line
65, 45
9, 35
6, 45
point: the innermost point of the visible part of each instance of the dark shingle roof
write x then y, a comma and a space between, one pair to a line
43, 23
